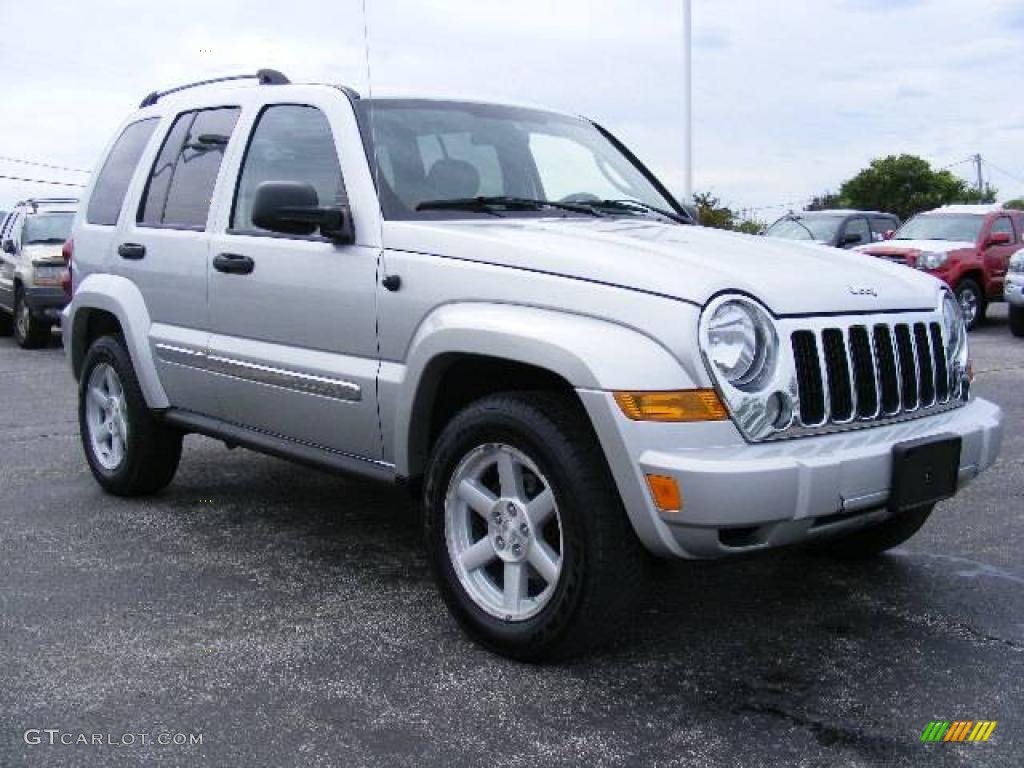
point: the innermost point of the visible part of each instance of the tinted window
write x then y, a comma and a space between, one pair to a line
289, 143
112, 184
181, 183
1003, 225
859, 227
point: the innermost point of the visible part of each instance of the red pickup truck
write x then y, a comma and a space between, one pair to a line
967, 246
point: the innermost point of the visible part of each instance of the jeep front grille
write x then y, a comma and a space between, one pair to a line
869, 372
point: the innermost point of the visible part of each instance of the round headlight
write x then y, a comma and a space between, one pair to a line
741, 343
954, 326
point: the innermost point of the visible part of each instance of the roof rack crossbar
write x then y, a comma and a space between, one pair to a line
35, 202
264, 76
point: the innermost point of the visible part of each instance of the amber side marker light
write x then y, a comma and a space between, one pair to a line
666, 493
684, 405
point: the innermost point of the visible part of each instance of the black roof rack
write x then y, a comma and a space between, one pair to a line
265, 77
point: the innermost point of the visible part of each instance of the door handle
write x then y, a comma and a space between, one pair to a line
132, 251
233, 264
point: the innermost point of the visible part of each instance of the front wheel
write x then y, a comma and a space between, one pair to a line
972, 302
129, 451
873, 541
29, 332
525, 531
1016, 320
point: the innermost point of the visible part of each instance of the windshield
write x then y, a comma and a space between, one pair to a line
430, 152
805, 228
47, 228
963, 228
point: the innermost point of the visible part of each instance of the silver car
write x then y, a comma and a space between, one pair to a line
503, 309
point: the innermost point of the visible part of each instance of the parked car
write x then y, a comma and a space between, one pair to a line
966, 246
570, 376
32, 268
838, 228
1014, 293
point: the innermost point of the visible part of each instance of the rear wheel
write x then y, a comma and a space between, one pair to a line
29, 332
877, 539
1016, 320
972, 302
129, 451
525, 531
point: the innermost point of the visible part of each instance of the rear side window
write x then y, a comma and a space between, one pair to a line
112, 184
289, 143
859, 226
181, 183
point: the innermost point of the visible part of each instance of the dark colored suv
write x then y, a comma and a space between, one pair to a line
839, 228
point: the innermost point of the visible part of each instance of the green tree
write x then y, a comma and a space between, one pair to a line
906, 185
826, 201
713, 213
1017, 205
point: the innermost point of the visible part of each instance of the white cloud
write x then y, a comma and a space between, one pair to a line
789, 98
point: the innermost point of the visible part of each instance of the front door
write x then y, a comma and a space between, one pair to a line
293, 318
9, 261
997, 257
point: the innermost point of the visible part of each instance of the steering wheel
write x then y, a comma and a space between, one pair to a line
580, 197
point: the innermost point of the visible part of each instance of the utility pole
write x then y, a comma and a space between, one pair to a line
688, 102
981, 178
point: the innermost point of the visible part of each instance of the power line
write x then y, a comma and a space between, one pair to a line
1003, 171
42, 165
42, 181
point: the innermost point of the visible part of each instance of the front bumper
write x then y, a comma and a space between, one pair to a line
739, 497
46, 303
1013, 289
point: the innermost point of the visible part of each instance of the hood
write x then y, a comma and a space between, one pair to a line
907, 246
684, 262
44, 252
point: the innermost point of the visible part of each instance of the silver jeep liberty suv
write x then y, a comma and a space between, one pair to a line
503, 308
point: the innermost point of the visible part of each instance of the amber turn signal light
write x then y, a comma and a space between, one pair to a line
684, 405
666, 493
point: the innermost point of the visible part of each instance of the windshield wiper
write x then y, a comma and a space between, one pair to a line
487, 204
638, 205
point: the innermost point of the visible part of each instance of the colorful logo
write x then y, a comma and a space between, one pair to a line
958, 730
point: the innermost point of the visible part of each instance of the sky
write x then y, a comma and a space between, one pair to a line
790, 97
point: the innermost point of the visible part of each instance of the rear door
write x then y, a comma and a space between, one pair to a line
163, 248
8, 260
295, 338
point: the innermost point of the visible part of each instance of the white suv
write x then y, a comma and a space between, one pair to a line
503, 308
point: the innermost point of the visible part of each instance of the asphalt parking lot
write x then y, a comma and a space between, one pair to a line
289, 618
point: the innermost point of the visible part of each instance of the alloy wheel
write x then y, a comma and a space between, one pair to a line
106, 416
504, 532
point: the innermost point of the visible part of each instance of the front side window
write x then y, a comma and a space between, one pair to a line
1003, 226
859, 227
289, 143
47, 228
118, 169
448, 160
180, 187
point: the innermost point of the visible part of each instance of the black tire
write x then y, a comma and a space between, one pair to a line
604, 565
970, 287
873, 541
1017, 320
152, 449
29, 332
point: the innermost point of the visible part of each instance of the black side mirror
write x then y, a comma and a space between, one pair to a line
852, 238
292, 208
9, 246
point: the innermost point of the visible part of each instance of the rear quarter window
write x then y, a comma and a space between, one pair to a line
112, 184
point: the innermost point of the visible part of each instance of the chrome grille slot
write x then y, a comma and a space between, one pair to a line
869, 372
